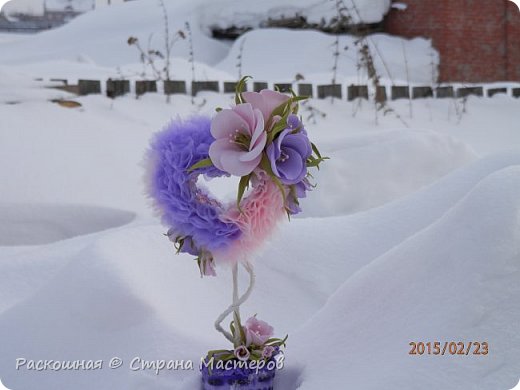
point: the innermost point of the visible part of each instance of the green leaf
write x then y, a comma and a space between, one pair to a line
315, 162
241, 87
315, 150
284, 109
266, 166
277, 342
201, 164
227, 357
240, 328
178, 244
217, 351
218, 109
242, 187
232, 328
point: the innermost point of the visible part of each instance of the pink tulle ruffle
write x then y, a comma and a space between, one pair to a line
259, 215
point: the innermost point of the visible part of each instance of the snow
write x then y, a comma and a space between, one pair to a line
299, 57
74, 5
27, 7
383, 306
253, 14
106, 46
32, 224
411, 235
399, 6
37, 7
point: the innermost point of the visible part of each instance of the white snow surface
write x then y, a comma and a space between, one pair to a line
25, 7
106, 53
252, 13
412, 234
38, 7
302, 49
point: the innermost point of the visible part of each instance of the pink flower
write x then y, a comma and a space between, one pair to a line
242, 353
265, 101
268, 351
257, 332
240, 138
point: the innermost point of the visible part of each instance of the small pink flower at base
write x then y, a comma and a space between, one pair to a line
240, 139
267, 352
257, 331
242, 353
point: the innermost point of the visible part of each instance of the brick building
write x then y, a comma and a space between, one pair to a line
478, 40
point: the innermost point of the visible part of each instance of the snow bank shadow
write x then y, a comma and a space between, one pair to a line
289, 378
37, 224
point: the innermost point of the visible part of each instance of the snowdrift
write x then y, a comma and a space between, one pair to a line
30, 224
94, 45
443, 263
251, 13
299, 51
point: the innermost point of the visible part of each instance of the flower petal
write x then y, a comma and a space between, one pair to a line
258, 130
292, 170
256, 151
299, 142
220, 148
273, 99
232, 164
246, 113
273, 154
257, 101
226, 122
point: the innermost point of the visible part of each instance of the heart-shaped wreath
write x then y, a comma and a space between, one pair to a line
262, 140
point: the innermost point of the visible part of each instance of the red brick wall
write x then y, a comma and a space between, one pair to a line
513, 42
478, 40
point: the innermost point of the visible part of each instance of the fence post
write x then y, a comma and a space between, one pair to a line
144, 86
332, 90
445, 92
87, 87
494, 91
283, 87
259, 85
305, 90
172, 87
465, 92
231, 86
199, 86
357, 91
400, 92
422, 92
117, 88
381, 94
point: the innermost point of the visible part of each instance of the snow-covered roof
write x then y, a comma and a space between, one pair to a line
251, 13
37, 7
75, 5
26, 7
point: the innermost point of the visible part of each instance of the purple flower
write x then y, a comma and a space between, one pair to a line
257, 332
240, 139
288, 155
242, 353
268, 351
300, 191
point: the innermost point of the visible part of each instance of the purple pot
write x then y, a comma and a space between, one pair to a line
236, 377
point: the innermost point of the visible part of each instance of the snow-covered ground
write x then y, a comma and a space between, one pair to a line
413, 233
